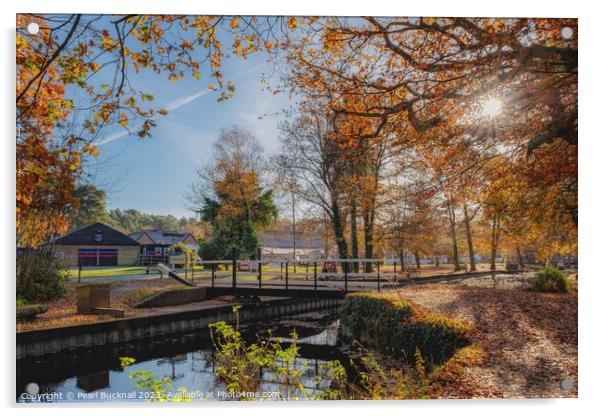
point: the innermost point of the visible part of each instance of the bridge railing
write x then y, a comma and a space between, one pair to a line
349, 270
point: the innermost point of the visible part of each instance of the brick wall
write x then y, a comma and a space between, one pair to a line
126, 255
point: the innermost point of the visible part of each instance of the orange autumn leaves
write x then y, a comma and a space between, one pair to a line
45, 167
411, 78
66, 58
422, 80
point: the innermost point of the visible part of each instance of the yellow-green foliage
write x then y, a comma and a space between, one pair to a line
376, 382
240, 365
188, 252
155, 388
398, 327
550, 279
443, 322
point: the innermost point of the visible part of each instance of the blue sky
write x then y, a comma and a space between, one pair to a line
152, 174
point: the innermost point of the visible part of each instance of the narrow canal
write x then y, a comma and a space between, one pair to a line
188, 359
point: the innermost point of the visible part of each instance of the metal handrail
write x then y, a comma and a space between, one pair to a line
308, 261
255, 269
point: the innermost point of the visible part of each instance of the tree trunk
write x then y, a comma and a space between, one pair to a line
338, 227
354, 240
452, 223
294, 234
369, 239
493, 243
402, 262
417, 257
473, 266
519, 256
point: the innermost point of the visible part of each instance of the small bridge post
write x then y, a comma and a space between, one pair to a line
213, 275
315, 275
186, 265
234, 267
259, 266
345, 271
378, 276
192, 269
286, 275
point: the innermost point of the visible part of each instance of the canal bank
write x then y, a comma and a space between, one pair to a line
36, 343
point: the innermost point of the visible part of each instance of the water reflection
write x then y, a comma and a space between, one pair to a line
188, 359
94, 381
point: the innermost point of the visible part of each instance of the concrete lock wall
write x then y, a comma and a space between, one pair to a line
174, 297
40, 342
126, 255
93, 296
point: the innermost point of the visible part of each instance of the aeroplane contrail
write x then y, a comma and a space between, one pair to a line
171, 106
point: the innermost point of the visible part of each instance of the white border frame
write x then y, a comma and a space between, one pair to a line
590, 95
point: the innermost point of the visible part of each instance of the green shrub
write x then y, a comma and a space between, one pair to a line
40, 278
398, 327
26, 312
550, 279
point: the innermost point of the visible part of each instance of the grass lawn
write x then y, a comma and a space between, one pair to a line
117, 271
109, 271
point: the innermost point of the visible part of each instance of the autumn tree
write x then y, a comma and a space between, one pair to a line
435, 78
371, 162
436, 164
524, 210
411, 68
231, 194
318, 165
77, 76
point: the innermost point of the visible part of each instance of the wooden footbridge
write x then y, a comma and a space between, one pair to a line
307, 278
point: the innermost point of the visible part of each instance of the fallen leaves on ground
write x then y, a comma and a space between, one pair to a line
529, 338
63, 312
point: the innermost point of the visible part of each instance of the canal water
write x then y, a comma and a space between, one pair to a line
188, 359
95, 375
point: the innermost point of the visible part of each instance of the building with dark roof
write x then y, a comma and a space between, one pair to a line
97, 245
156, 245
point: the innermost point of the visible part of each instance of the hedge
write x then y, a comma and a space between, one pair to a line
397, 327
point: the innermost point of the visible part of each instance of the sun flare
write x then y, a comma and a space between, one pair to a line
492, 107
